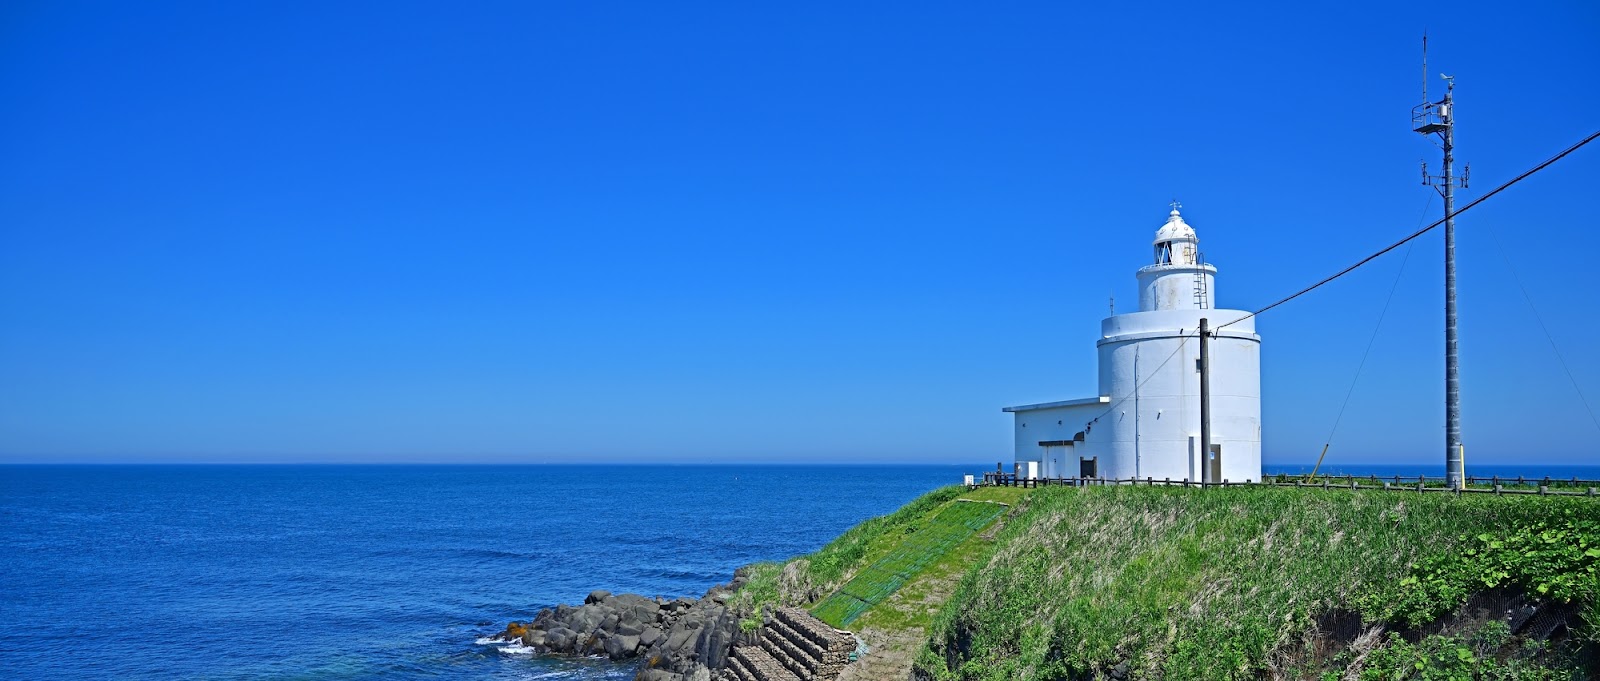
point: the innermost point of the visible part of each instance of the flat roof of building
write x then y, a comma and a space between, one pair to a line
1103, 399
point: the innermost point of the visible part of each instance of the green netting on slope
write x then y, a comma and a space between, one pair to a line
916, 551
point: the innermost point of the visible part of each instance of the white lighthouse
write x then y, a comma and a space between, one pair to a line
1145, 422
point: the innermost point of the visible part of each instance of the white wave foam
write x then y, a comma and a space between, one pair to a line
488, 640
516, 649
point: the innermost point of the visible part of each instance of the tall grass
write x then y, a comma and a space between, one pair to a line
1189, 584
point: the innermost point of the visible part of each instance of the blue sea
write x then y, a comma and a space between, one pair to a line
393, 572
358, 572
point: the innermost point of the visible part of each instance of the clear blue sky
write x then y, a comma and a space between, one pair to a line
391, 231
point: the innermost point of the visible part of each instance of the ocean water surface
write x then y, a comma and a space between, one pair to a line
356, 572
394, 572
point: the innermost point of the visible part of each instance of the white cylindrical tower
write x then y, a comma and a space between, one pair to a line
1148, 364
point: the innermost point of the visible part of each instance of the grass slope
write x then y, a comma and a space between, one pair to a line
869, 575
1219, 584
932, 540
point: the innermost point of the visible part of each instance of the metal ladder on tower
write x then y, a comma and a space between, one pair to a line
1202, 297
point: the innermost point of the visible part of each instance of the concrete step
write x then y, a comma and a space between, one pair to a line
737, 668
796, 662
779, 629
765, 667
817, 631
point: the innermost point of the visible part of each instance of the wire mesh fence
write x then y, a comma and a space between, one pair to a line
914, 553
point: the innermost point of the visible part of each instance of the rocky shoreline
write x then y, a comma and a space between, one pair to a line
682, 639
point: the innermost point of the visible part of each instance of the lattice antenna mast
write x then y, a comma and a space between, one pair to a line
1438, 118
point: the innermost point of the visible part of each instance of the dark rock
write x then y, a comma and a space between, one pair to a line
560, 639
639, 609
681, 634
587, 618
623, 601
620, 647
595, 644
716, 639
682, 639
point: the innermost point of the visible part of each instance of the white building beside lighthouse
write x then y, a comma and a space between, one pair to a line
1145, 422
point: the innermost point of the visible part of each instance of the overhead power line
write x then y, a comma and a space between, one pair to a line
1183, 338
1422, 231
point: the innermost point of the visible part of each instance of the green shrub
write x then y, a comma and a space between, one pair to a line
1454, 658
1435, 659
1553, 558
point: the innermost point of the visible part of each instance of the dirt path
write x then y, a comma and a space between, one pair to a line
890, 656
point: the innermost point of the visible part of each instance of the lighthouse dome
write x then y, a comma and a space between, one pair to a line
1176, 242
1175, 229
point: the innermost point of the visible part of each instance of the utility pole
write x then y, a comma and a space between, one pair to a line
1429, 118
1205, 399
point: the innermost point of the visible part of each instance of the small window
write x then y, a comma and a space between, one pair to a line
1197, 364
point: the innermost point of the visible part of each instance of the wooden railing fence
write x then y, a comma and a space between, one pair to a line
1493, 485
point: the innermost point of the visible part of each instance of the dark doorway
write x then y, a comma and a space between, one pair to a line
1087, 468
1214, 464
